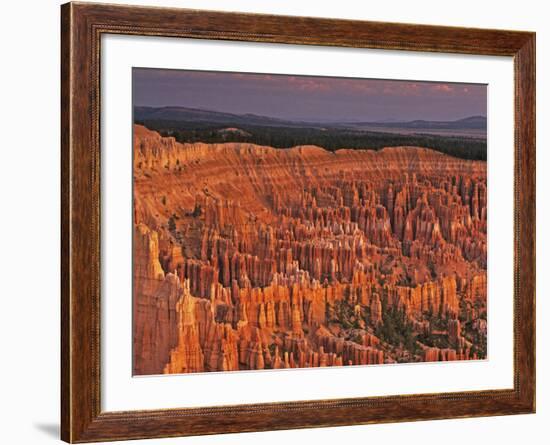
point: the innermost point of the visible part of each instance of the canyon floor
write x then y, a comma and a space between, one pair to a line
251, 257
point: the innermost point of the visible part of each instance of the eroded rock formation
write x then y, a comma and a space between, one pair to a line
249, 257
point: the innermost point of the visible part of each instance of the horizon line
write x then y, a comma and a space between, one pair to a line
308, 120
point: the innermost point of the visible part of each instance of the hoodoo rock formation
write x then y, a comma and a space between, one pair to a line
251, 257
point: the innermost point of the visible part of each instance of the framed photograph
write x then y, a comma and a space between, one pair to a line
275, 222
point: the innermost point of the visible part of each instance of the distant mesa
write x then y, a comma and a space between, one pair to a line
233, 131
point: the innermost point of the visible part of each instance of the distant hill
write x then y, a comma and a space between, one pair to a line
468, 123
195, 115
211, 117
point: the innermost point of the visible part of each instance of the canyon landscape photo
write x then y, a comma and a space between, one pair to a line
301, 222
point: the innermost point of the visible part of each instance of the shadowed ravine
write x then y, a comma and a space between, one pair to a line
251, 257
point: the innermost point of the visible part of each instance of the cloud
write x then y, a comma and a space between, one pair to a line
314, 97
443, 87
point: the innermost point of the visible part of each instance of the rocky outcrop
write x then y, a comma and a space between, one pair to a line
155, 330
249, 257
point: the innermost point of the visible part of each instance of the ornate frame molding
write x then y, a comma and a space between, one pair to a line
82, 26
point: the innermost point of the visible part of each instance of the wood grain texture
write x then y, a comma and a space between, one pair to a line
82, 26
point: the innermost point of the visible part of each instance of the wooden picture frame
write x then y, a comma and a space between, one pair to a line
82, 26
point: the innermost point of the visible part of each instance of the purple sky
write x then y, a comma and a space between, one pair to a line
324, 99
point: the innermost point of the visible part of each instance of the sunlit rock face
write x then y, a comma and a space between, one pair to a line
250, 257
